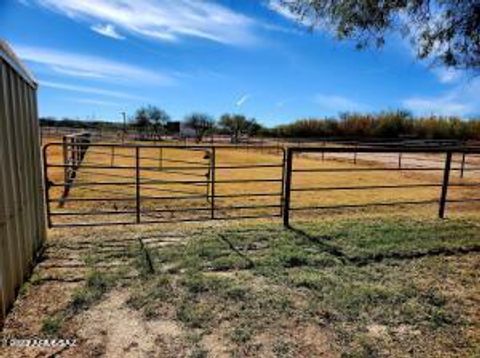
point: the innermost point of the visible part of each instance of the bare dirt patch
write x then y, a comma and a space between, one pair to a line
121, 331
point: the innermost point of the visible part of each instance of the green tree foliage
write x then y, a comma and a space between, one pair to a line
201, 123
237, 125
447, 31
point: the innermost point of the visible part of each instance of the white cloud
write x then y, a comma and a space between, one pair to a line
242, 100
97, 102
281, 29
436, 105
276, 6
338, 103
166, 20
107, 30
284, 11
87, 89
461, 100
78, 65
448, 75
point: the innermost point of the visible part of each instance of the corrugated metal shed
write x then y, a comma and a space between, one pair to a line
22, 220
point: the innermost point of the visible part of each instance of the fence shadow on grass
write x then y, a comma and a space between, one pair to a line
250, 262
323, 242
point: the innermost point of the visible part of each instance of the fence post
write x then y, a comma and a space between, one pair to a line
446, 177
212, 180
282, 197
462, 167
287, 189
137, 183
47, 186
65, 159
160, 158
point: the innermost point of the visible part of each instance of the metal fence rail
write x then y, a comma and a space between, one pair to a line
444, 185
137, 192
74, 148
170, 183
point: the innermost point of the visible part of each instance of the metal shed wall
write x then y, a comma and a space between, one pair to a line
22, 221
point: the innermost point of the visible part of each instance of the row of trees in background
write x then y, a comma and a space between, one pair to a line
152, 123
395, 124
152, 120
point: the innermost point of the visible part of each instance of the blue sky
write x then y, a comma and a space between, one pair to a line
97, 58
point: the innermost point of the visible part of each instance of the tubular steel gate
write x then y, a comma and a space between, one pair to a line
442, 185
116, 184
158, 184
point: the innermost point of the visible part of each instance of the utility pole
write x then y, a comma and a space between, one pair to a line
124, 126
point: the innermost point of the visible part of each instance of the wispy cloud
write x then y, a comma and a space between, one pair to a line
96, 102
167, 20
338, 103
436, 105
78, 65
107, 30
241, 101
282, 29
461, 100
88, 89
448, 75
278, 7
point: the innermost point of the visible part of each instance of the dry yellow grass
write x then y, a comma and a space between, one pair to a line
155, 163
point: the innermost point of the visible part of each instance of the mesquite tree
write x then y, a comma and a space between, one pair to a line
445, 31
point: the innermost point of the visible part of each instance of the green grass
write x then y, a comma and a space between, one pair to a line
347, 276
362, 287
96, 285
51, 325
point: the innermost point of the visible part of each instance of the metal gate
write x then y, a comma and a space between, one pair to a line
118, 184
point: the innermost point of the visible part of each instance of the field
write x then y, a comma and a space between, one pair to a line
365, 282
